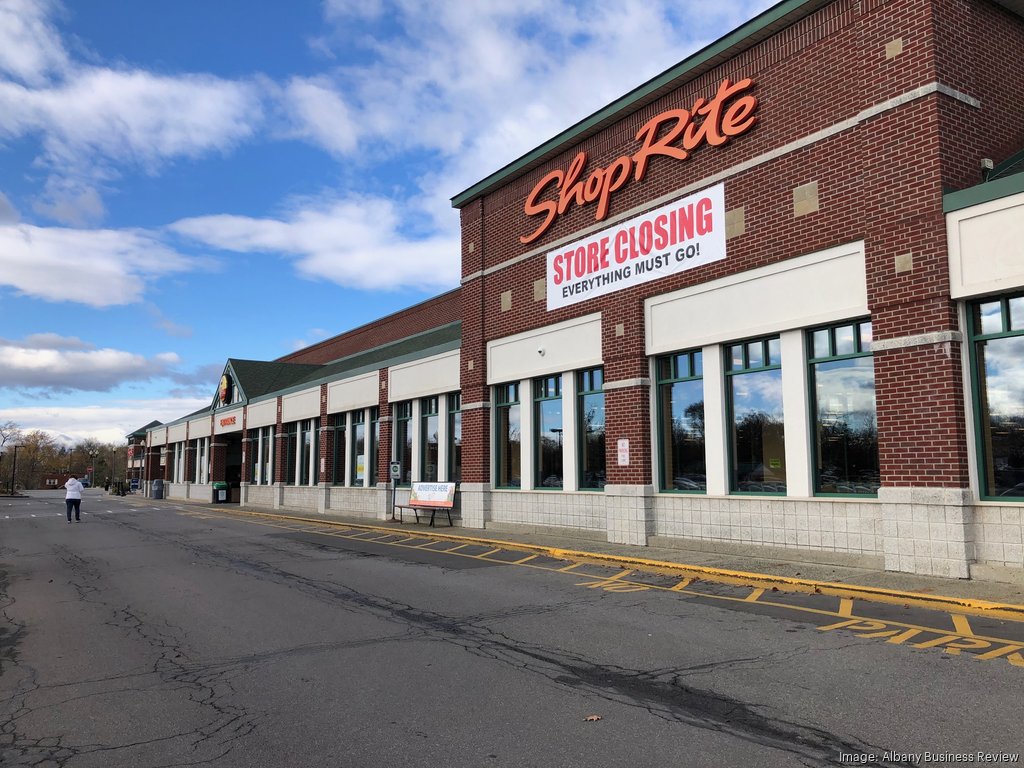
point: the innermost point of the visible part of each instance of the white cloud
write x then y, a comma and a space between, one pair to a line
130, 116
93, 121
108, 423
48, 361
98, 267
70, 202
8, 213
320, 115
30, 47
357, 243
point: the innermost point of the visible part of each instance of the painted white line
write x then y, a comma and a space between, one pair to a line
33, 515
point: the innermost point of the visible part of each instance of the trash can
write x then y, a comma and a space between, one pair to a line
157, 490
220, 492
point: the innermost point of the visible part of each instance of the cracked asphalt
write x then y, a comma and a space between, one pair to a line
161, 636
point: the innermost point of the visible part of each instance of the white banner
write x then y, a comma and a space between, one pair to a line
682, 235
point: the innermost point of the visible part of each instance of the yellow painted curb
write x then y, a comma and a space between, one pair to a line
722, 575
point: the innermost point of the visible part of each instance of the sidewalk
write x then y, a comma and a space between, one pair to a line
886, 586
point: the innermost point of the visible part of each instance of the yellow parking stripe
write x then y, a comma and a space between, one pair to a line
963, 626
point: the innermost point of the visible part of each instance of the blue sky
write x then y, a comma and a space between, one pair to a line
185, 182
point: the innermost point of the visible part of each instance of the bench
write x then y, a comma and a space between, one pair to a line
428, 497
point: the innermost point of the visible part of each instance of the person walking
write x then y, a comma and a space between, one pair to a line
73, 498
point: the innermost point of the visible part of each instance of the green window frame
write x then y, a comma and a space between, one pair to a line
430, 447
590, 427
757, 443
507, 437
291, 437
549, 427
454, 437
374, 438
682, 446
339, 422
403, 441
996, 330
359, 448
843, 418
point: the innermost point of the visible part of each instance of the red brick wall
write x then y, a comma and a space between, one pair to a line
425, 316
881, 182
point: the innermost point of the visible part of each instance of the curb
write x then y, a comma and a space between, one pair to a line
721, 575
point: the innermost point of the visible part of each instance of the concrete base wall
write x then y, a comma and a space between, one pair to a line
843, 526
999, 536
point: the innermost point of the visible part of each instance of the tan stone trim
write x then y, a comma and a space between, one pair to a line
918, 340
625, 384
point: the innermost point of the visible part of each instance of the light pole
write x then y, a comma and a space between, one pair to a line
92, 468
14, 466
1, 459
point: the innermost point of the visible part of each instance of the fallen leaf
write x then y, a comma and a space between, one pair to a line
591, 718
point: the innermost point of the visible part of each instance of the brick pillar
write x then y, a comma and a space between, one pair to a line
190, 462
169, 464
152, 463
218, 459
325, 441
476, 485
249, 447
926, 515
630, 516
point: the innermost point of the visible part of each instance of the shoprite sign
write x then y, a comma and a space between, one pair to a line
674, 133
682, 235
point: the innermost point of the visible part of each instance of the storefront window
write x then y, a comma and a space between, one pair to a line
338, 464
590, 423
681, 422
507, 433
374, 445
266, 456
843, 410
200, 448
757, 444
428, 436
547, 409
290, 432
308, 451
260, 440
454, 437
358, 448
997, 357
403, 440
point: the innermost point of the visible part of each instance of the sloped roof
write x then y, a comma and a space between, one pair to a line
256, 377
421, 345
143, 430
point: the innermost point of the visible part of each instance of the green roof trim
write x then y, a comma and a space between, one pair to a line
433, 342
764, 24
983, 193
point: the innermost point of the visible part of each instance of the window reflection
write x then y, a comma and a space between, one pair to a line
846, 431
1001, 396
758, 433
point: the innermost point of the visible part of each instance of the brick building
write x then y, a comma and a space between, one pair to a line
773, 299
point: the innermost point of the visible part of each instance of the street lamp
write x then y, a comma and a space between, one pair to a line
92, 468
1, 457
14, 466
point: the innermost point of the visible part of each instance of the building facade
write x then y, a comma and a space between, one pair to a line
771, 300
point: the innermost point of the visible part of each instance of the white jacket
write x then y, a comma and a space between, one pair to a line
75, 489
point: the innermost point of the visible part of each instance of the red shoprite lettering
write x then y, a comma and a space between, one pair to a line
730, 113
664, 231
